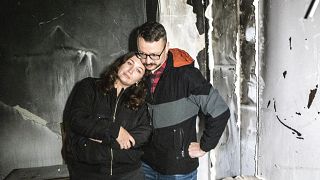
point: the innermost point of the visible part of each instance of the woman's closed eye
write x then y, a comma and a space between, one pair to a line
139, 70
130, 62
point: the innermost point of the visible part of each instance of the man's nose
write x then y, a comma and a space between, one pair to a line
149, 60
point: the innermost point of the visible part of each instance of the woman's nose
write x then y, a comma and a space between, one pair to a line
131, 70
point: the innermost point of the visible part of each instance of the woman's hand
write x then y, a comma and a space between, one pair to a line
124, 139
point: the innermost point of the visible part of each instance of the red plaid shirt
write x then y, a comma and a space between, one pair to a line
155, 76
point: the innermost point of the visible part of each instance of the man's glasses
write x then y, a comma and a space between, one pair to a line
142, 55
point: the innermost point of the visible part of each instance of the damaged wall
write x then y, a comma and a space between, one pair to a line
45, 47
273, 131
290, 116
225, 25
248, 87
182, 32
187, 24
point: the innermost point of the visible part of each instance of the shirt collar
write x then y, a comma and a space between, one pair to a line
161, 68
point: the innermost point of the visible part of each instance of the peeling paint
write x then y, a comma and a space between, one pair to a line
26, 141
225, 66
208, 15
180, 22
311, 96
284, 74
198, 9
290, 43
250, 34
299, 56
27, 115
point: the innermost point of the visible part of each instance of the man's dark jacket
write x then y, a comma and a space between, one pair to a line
91, 114
180, 94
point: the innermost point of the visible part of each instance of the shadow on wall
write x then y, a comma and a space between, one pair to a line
19, 126
45, 47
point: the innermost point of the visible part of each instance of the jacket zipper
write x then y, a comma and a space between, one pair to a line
152, 94
181, 134
113, 120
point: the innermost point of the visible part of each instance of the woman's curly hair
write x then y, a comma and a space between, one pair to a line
136, 95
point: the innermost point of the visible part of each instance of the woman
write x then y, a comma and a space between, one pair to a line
106, 122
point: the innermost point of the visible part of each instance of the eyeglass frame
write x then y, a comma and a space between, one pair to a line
138, 54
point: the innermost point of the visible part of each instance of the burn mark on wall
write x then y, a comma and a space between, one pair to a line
203, 63
152, 10
311, 9
247, 49
268, 103
58, 39
312, 94
224, 35
290, 41
198, 9
47, 46
202, 27
298, 113
284, 74
294, 131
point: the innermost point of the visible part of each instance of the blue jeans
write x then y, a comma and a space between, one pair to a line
151, 174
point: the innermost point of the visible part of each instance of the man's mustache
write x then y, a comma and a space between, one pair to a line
151, 64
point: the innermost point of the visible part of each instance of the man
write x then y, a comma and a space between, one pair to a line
177, 91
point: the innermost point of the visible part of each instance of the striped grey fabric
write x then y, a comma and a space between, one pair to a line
172, 113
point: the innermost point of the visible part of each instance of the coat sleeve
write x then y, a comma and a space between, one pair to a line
215, 110
83, 121
142, 131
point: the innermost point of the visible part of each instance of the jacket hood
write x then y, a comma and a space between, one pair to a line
181, 58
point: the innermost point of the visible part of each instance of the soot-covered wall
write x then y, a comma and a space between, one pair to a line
289, 114
45, 47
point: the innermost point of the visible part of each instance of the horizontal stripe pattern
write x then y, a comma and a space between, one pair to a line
212, 104
172, 113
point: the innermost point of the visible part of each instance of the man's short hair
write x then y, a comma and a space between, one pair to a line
152, 31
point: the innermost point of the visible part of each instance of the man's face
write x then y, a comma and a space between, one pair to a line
152, 54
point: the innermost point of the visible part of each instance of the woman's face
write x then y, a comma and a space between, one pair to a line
130, 72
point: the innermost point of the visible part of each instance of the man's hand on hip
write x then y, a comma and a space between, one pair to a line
195, 150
